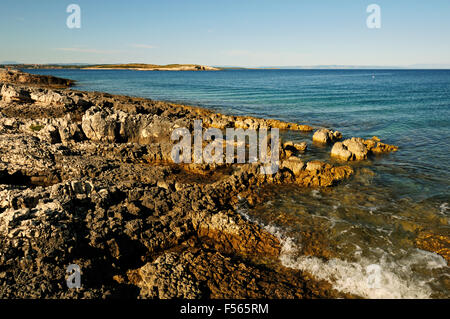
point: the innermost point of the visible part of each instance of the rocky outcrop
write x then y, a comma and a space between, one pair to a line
356, 149
18, 77
10, 94
109, 125
26, 160
87, 178
290, 148
183, 274
325, 136
293, 164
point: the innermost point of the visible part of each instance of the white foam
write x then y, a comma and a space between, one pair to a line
395, 277
316, 193
393, 280
443, 209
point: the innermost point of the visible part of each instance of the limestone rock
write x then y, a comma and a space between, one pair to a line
300, 147
294, 164
325, 136
340, 151
356, 149
16, 76
85, 178
10, 94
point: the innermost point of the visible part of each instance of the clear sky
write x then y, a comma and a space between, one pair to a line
227, 32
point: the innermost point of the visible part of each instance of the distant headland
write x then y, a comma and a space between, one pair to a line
129, 66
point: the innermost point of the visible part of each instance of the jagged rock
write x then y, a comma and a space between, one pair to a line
294, 164
381, 148
321, 174
350, 149
197, 274
340, 151
109, 125
356, 149
290, 148
315, 166
115, 205
26, 160
301, 147
49, 97
10, 94
69, 130
325, 136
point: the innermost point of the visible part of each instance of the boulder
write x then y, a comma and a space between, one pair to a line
314, 166
49, 97
340, 151
11, 93
356, 149
325, 136
301, 147
111, 125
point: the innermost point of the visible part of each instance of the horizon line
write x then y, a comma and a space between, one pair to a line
438, 66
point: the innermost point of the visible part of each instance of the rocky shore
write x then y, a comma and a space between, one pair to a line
87, 178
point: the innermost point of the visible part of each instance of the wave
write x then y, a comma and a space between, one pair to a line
387, 277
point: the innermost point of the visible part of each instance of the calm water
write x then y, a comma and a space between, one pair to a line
375, 217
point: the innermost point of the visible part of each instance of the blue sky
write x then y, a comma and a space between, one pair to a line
238, 33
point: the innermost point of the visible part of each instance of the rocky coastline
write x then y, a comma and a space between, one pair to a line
87, 178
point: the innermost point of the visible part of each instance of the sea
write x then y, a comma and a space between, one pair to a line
369, 224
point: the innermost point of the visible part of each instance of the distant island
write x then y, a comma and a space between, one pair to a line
199, 67
129, 66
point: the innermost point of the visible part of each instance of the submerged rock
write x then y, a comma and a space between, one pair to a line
438, 244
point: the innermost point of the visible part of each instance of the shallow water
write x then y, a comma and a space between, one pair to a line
373, 218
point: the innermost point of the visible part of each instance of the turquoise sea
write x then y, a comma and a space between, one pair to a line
371, 222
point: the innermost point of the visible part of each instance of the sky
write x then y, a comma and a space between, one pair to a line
227, 33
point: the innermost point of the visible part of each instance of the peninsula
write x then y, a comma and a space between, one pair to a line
126, 66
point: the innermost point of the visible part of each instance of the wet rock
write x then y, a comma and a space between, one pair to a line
325, 136
295, 147
294, 164
350, 149
339, 150
356, 149
321, 174
436, 243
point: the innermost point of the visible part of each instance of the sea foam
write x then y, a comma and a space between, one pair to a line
395, 278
